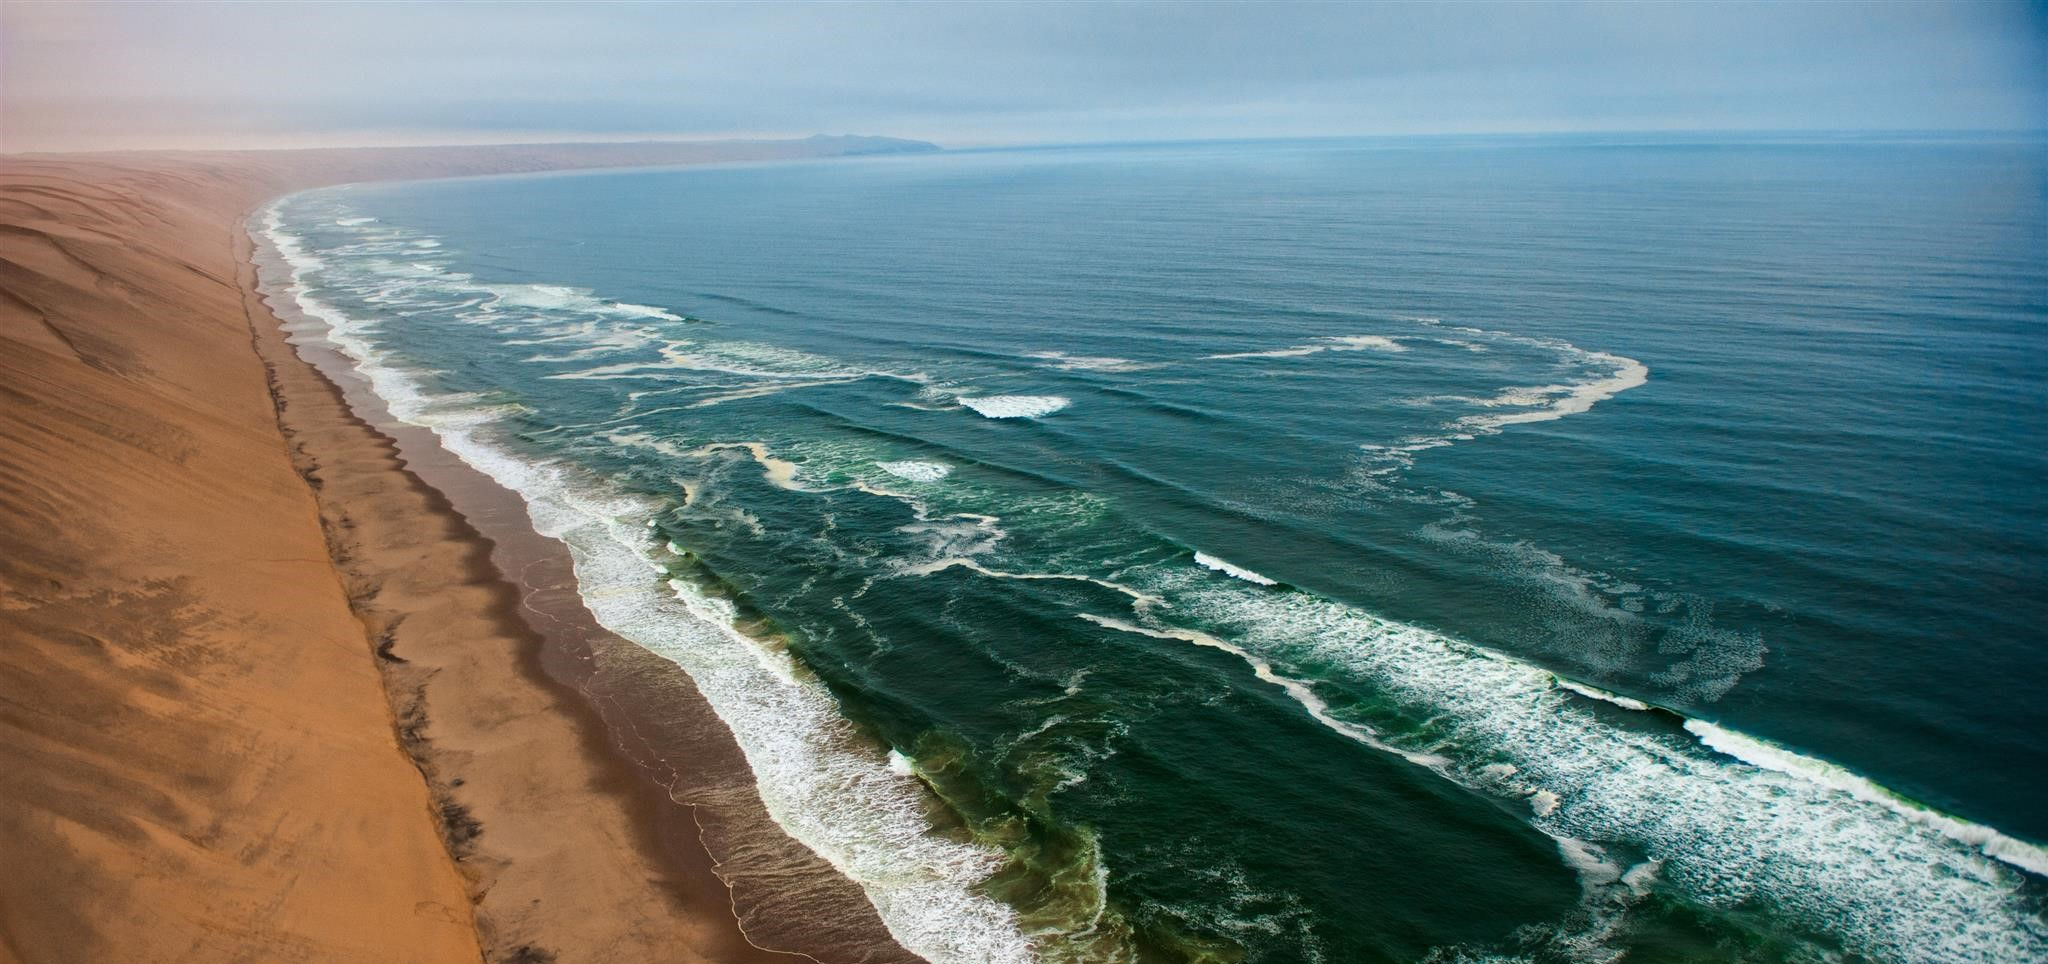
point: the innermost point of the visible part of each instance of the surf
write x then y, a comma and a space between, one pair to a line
1728, 818
842, 799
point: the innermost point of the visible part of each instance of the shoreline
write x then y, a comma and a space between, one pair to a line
581, 801
638, 711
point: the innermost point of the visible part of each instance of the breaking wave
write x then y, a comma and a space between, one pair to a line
1016, 406
1724, 819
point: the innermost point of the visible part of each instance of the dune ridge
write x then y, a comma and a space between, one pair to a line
265, 694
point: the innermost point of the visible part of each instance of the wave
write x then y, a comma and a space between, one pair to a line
1016, 406
744, 359
1596, 693
1297, 690
1762, 753
586, 339
1729, 820
1329, 343
565, 298
838, 797
1294, 352
1211, 562
1140, 599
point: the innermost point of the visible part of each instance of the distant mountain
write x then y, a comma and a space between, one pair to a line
864, 144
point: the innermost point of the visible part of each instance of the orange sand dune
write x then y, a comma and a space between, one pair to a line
203, 552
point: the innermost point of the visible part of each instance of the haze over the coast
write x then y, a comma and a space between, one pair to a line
195, 75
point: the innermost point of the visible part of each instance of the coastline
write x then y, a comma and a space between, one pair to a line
639, 713
590, 804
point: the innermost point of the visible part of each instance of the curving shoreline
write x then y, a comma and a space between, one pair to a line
592, 805
674, 768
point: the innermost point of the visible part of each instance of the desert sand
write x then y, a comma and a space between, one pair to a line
267, 691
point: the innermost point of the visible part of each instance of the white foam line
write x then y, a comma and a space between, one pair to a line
1823, 846
1295, 689
1275, 353
1211, 562
1596, 693
1576, 398
1596, 873
1763, 753
1139, 599
1330, 343
839, 798
1016, 406
1363, 343
1550, 402
760, 391
1092, 363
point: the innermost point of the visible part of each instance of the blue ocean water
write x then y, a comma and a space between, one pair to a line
1542, 548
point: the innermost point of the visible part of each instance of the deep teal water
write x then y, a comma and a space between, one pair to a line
1204, 524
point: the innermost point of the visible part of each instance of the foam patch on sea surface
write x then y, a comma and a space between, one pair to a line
916, 471
1016, 406
1548, 402
1320, 345
1596, 377
1091, 363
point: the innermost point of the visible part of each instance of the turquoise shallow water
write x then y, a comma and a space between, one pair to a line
1300, 551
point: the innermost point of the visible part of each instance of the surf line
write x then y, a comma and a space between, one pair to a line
1749, 750
1598, 874
1295, 689
1140, 601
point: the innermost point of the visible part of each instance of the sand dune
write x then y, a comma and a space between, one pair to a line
203, 553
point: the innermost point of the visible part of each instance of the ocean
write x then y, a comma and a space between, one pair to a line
1532, 548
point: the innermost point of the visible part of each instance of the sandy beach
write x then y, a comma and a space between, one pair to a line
284, 681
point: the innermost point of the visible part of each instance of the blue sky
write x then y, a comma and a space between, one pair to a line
82, 75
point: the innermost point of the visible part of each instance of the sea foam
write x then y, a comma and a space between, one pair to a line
1016, 406
916, 471
1091, 363
1551, 402
1211, 562
1320, 345
1730, 820
1606, 375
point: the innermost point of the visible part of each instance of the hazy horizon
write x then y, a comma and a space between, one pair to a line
87, 76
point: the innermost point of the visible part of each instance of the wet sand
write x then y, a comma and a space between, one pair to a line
284, 680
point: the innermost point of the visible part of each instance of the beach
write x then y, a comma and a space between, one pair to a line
269, 691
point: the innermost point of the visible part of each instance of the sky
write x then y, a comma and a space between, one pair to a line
85, 75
